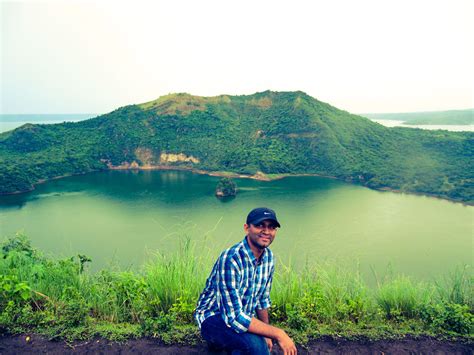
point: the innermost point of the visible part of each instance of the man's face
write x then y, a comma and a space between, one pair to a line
261, 235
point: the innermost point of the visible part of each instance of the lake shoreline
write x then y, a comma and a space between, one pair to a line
258, 176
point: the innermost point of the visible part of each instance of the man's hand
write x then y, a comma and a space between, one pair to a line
268, 331
286, 344
269, 343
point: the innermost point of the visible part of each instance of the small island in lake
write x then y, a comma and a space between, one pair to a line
226, 187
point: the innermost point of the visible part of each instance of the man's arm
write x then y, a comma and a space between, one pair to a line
262, 314
268, 331
228, 297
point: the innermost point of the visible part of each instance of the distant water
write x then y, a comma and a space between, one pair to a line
453, 128
12, 121
123, 217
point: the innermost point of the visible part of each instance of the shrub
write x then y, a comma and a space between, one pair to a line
13, 291
448, 316
19, 243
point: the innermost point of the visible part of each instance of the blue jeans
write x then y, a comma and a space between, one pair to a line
218, 335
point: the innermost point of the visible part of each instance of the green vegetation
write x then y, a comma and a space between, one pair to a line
269, 132
61, 299
453, 117
226, 187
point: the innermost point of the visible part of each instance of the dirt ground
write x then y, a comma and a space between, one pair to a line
35, 344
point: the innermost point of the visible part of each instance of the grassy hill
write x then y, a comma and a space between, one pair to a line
268, 132
453, 117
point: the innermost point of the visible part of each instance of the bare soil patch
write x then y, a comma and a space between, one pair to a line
18, 344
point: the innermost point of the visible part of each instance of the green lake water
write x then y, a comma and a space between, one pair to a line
120, 218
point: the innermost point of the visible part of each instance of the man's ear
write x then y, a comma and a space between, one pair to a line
246, 227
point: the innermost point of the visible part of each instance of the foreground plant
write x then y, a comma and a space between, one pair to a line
62, 299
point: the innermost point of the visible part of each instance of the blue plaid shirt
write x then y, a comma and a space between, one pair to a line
238, 285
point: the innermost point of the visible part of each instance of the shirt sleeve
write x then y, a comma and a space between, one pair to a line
228, 296
264, 301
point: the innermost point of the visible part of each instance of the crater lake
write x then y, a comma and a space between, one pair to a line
123, 218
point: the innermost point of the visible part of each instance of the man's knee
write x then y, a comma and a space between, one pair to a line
252, 344
219, 336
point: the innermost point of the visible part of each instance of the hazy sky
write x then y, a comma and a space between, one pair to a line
361, 56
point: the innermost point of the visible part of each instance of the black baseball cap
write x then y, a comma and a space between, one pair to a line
260, 214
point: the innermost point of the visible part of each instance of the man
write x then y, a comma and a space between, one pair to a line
238, 287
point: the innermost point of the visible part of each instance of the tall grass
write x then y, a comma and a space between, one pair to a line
457, 286
164, 292
322, 291
177, 276
401, 297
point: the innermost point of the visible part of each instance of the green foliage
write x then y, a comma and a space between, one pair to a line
297, 317
321, 293
117, 331
401, 298
24, 318
269, 132
160, 323
18, 243
58, 299
181, 334
452, 317
226, 187
457, 287
72, 309
166, 275
11, 290
117, 296
83, 260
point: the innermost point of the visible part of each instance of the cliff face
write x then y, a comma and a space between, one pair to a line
271, 132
